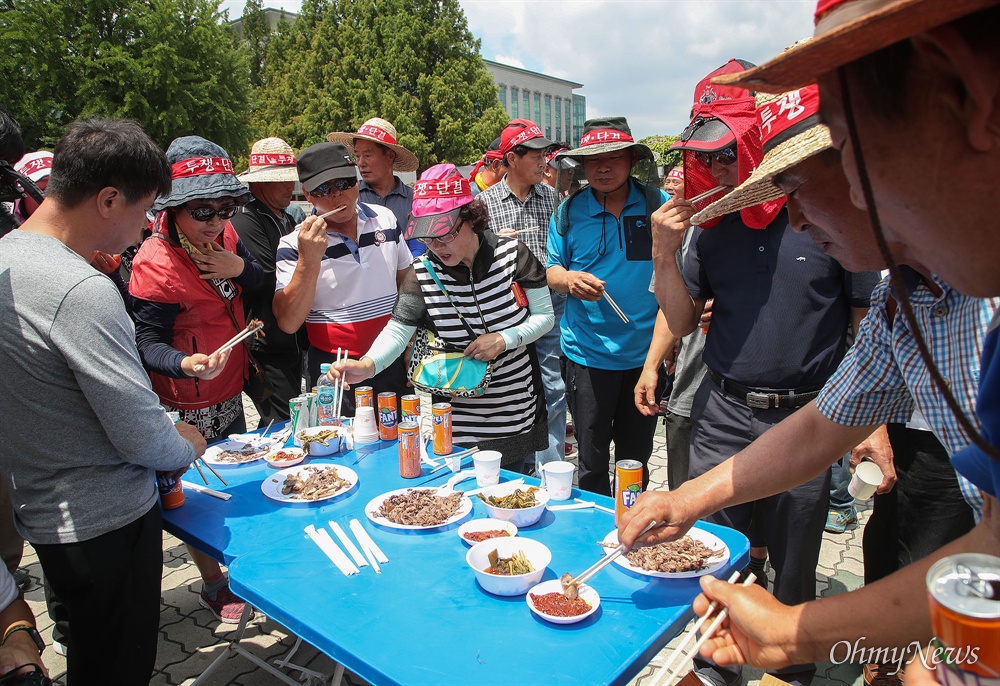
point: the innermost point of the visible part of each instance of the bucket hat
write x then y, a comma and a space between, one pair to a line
438, 197
199, 169
847, 30
607, 135
271, 159
382, 132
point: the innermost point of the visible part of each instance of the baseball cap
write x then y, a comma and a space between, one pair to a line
438, 197
324, 162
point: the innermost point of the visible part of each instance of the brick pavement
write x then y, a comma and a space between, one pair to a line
190, 638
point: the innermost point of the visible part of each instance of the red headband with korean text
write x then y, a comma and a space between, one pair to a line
605, 136
197, 166
788, 116
457, 187
265, 159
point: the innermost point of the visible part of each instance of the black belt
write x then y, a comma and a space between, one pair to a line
764, 398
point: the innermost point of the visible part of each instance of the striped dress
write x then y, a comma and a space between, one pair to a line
510, 416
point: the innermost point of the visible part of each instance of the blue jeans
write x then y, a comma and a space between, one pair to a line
840, 478
548, 350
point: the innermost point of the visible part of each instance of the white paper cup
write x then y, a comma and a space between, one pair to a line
557, 479
867, 477
487, 465
364, 421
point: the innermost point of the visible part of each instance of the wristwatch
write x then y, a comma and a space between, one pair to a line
32, 632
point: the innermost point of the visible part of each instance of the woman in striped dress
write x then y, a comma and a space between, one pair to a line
494, 304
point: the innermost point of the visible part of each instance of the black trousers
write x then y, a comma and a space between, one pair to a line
392, 379
603, 403
924, 511
283, 370
110, 588
678, 448
792, 522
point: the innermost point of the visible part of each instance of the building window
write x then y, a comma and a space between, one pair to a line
503, 96
514, 102
548, 116
569, 124
538, 108
559, 137
579, 116
526, 101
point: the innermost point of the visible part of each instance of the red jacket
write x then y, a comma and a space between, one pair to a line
163, 272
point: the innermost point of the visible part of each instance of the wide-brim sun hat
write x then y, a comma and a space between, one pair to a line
271, 160
847, 30
438, 197
605, 135
35, 165
199, 170
791, 133
379, 131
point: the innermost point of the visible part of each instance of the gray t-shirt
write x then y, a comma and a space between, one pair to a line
81, 429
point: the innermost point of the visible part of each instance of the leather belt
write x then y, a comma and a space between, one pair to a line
764, 398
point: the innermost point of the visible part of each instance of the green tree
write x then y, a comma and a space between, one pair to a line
255, 36
667, 158
172, 65
413, 62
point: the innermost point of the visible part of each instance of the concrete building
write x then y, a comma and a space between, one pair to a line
272, 16
546, 100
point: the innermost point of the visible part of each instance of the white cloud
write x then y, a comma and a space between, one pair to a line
637, 58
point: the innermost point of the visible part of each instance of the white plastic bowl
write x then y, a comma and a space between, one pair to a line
555, 586
281, 464
478, 559
519, 518
320, 450
485, 525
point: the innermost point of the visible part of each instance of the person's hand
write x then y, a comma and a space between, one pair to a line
219, 264
917, 674
19, 650
204, 366
584, 286
706, 315
353, 371
671, 359
758, 631
671, 509
507, 232
645, 393
312, 239
877, 449
105, 263
193, 436
486, 347
669, 223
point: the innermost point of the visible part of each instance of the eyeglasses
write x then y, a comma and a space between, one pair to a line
205, 214
324, 189
725, 157
444, 240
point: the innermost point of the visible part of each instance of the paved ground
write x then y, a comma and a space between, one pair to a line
190, 638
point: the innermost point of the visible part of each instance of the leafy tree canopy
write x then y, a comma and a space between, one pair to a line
172, 65
667, 158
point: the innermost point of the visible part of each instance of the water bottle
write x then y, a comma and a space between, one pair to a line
327, 398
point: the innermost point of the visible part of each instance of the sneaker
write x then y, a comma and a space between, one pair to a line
59, 648
226, 607
570, 449
22, 578
839, 521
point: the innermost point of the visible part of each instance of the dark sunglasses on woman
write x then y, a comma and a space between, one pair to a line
324, 189
205, 214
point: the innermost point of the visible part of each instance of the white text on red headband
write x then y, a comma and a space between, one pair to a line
527, 134
784, 112
376, 132
272, 160
36, 165
604, 136
197, 166
450, 188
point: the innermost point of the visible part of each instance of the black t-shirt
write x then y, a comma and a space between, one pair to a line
782, 307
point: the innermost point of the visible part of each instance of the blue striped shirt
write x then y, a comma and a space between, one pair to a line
882, 378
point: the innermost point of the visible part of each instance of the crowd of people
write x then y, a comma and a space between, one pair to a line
742, 300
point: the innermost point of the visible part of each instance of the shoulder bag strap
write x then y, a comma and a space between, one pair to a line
430, 270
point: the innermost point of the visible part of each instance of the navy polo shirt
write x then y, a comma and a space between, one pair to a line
782, 307
399, 201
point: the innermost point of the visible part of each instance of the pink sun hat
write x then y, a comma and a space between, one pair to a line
438, 197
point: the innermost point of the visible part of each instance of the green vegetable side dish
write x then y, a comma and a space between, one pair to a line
509, 566
518, 500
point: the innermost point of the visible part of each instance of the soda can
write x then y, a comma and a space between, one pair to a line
171, 490
441, 421
628, 485
409, 408
296, 407
312, 403
963, 592
409, 449
387, 418
364, 396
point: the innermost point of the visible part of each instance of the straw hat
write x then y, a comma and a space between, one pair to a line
790, 132
382, 132
202, 170
271, 159
847, 30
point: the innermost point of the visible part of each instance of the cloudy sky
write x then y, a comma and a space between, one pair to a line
637, 58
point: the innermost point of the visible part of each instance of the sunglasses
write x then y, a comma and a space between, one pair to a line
725, 157
444, 240
324, 189
205, 214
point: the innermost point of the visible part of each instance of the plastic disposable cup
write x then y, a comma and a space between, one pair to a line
866, 479
365, 429
487, 465
557, 479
